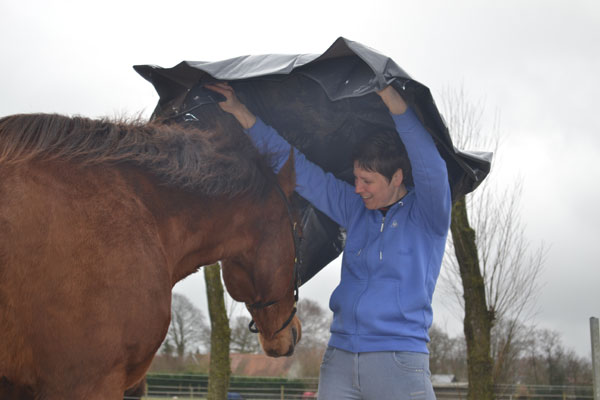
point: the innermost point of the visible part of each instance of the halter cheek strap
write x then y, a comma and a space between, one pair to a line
297, 263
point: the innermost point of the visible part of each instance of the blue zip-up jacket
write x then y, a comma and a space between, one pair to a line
390, 264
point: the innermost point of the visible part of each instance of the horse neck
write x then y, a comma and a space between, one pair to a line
196, 230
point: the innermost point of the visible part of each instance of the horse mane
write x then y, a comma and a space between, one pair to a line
218, 161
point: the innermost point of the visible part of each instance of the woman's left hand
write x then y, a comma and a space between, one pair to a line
392, 99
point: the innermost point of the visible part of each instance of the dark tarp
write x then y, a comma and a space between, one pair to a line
321, 104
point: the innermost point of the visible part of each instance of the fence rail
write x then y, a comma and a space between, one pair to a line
184, 387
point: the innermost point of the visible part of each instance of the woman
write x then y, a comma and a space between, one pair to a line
396, 234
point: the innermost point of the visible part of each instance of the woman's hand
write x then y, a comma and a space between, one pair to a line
233, 105
392, 99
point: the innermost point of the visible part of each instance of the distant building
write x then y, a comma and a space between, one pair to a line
262, 365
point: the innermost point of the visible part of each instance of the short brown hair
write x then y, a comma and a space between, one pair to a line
383, 152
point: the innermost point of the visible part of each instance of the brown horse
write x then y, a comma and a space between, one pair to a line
98, 221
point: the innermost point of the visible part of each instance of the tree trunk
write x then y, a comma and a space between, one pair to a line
478, 319
220, 368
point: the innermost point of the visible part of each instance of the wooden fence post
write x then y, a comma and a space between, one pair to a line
595, 334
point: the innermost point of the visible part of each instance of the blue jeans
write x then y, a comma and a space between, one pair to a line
384, 375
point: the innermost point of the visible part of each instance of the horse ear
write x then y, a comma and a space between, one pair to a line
287, 175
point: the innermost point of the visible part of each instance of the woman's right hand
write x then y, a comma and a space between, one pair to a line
233, 105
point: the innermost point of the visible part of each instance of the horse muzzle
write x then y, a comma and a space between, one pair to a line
283, 343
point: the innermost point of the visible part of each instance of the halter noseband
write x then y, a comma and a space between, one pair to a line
297, 264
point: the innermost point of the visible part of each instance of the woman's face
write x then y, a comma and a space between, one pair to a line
375, 190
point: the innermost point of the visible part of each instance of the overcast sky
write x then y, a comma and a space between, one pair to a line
535, 63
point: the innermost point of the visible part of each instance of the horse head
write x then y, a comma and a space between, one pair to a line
265, 275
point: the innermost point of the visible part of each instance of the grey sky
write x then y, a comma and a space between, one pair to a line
535, 63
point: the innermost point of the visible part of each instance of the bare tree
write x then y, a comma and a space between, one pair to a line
315, 324
446, 354
186, 329
488, 268
509, 267
242, 340
511, 272
547, 362
509, 343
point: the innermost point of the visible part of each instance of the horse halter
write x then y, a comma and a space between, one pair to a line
297, 263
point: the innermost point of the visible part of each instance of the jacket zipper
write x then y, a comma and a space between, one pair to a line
381, 239
401, 204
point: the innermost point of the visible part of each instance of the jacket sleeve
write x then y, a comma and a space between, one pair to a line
429, 172
332, 196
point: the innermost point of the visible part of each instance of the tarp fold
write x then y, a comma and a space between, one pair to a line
323, 105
